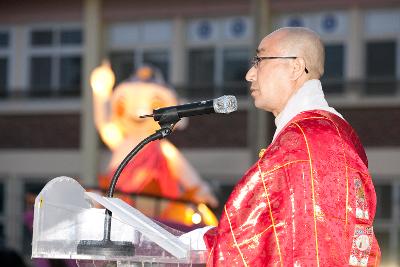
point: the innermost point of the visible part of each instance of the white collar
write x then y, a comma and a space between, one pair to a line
309, 97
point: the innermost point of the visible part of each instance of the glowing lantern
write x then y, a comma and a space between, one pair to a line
159, 168
102, 80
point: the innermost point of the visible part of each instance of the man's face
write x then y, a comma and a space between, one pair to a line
271, 85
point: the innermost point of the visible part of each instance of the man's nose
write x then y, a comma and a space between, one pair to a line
251, 74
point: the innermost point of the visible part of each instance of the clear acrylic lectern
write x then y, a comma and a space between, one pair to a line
65, 215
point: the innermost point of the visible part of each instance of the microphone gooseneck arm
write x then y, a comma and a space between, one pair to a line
159, 134
166, 129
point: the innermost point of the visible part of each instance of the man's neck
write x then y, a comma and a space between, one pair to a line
295, 88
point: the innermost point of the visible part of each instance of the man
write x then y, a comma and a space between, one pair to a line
308, 200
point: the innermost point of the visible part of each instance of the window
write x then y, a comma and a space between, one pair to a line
201, 71
333, 75
2, 215
386, 224
41, 71
42, 38
2, 196
3, 76
70, 74
4, 39
134, 44
218, 56
159, 60
383, 239
122, 63
384, 198
50, 37
31, 190
216, 71
4, 62
381, 67
235, 67
71, 37
55, 62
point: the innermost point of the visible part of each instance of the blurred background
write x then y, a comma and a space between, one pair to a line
48, 49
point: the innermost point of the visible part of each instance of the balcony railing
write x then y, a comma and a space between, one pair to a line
372, 87
40, 93
385, 86
207, 90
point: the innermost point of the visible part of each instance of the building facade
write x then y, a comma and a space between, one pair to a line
203, 49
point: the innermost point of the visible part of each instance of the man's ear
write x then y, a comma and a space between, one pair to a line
299, 66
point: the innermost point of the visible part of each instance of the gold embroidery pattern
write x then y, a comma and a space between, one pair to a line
234, 238
309, 118
313, 193
261, 153
270, 214
255, 238
209, 255
283, 165
361, 203
362, 245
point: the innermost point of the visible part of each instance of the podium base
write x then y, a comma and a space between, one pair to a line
106, 248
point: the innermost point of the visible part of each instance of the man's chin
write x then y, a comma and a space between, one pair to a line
260, 105
257, 104
256, 101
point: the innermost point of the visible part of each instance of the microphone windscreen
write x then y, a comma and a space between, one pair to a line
225, 104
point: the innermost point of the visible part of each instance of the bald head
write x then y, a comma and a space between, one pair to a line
302, 42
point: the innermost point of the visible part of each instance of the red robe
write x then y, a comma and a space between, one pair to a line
308, 201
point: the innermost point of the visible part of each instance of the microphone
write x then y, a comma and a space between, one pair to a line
224, 104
